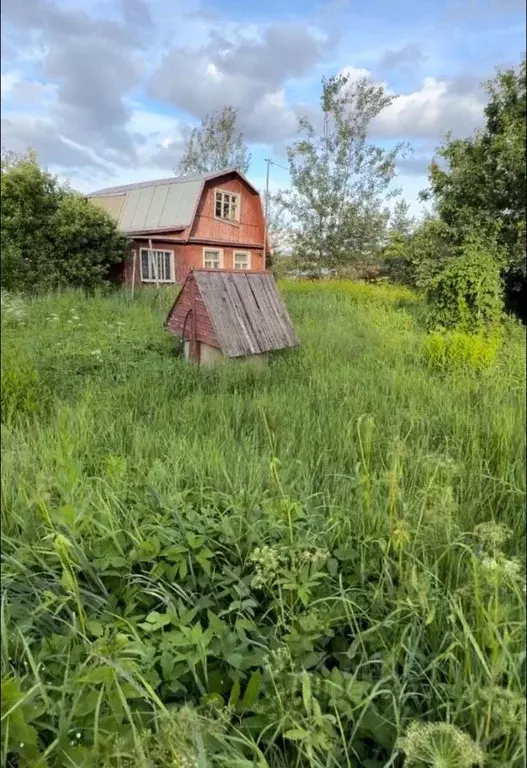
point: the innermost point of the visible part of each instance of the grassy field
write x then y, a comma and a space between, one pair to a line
228, 567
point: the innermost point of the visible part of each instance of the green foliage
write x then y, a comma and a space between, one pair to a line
52, 237
480, 185
396, 253
86, 243
215, 145
453, 350
467, 293
13, 308
29, 199
414, 258
280, 568
339, 180
21, 391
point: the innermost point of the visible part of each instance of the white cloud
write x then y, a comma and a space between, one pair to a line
437, 106
355, 73
9, 80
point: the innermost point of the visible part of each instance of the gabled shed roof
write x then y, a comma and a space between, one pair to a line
245, 309
159, 205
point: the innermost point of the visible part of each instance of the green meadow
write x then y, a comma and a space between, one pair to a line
287, 567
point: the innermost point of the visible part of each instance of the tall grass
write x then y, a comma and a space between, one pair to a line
234, 567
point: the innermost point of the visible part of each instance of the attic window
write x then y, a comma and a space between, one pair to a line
227, 206
156, 266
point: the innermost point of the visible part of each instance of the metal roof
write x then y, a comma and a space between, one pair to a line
246, 311
163, 204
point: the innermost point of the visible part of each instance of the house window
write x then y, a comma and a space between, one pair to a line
156, 266
211, 259
241, 260
227, 206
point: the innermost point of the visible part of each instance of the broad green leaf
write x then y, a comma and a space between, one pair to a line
296, 734
252, 690
235, 694
306, 691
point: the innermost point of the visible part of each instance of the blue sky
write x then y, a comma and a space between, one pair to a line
104, 90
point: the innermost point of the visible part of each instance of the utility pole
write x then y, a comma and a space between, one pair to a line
268, 161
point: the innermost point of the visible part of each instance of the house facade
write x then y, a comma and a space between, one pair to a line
210, 221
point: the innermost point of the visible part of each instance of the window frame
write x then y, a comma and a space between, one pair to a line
216, 250
238, 197
153, 279
244, 253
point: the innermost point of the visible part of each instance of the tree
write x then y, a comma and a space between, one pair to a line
278, 231
87, 243
401, 223
338, 178
215, 145
51, 236
397, 253
480, 185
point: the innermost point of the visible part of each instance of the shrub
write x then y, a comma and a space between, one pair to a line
467, 293
454, 350
50, 236
413, 259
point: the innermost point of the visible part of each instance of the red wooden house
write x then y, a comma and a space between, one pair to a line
211, 221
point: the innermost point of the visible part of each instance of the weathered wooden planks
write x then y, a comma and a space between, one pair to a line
243, 309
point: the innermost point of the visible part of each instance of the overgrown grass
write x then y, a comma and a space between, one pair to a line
233, 567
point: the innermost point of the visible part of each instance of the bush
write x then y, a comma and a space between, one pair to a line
467, 293
413, 259
454, 350
50, 236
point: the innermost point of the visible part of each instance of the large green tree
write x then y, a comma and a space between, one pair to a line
479, 183
51, 236
215, 144
339, 179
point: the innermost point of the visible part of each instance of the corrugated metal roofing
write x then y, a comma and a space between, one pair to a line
153, 207
162, 204
246, 311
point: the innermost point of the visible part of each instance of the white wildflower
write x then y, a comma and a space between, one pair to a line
268, 562
501, 568
491, 533
439, 745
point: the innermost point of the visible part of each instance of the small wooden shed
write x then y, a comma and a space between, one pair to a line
231, 313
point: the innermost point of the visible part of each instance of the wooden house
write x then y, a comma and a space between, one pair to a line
211, 220
230, 313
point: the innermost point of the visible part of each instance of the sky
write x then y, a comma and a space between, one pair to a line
105, 91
